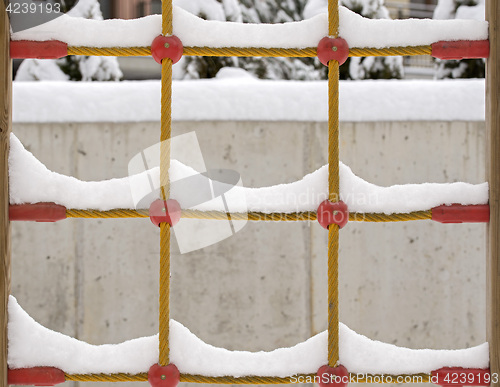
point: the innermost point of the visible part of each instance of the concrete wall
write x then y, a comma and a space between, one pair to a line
419, 284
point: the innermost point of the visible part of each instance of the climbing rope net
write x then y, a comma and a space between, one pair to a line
332, 214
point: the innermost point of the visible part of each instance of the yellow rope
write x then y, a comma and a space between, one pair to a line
166, 17
117, 213
391, 51
166, 126
121, 377
109, 51
333, 295
333, 18
142, 377
334, 196
309, 52
166, 133
333, 131
252, 216
164, 312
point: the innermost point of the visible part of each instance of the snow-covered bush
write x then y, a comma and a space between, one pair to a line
460, 9
73, 68
281, 11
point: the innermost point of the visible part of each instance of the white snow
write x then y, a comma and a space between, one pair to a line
32, 182
38, 69
30, 344
243, 98
194, 31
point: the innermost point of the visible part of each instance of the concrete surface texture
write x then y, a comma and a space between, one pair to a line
418, 284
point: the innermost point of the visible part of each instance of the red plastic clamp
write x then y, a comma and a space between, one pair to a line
332, 49
37, 376
461, 377
38, 212
458, 213
50, 49
333, 377
333, 213
461, 49
166, 47
167, 376
165, 212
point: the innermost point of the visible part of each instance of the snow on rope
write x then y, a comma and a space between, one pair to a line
32, 344
193, 31
32, 182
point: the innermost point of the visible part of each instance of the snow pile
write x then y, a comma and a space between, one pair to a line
194, 31
32, 182
236, 96
30, 344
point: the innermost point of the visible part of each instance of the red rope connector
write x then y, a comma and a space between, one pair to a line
332, 49
165, 212
167, 376
461, 377
166, 47
458, 213
50, 49
37, 376
333, 377
461, 49
333, 213
38, 212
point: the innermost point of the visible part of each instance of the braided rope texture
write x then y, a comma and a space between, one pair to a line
166, 133
143, 377
309, 52
252, 216
333, 192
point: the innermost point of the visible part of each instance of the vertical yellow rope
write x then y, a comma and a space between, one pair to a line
333, 230
166, 132
167, 17
333, 18
164, 293
334, 191
166, 126
333, 131
333, 295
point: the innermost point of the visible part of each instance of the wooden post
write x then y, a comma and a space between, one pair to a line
5, 128
493, 175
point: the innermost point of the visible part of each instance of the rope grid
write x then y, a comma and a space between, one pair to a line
309, 52
333, 183
333, 234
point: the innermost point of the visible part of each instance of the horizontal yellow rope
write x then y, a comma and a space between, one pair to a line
252, 216
308, 52
142, 377
117, 213
109, 51
251, 51
391, 51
